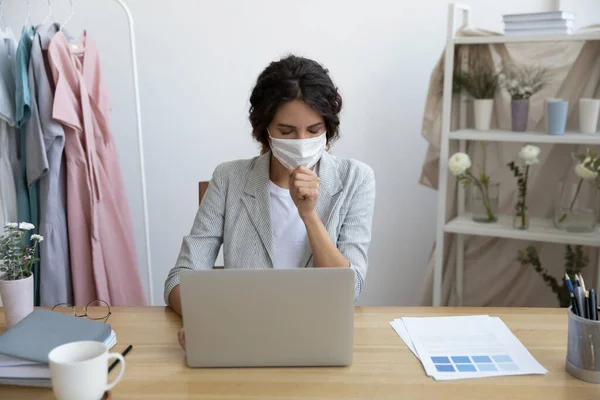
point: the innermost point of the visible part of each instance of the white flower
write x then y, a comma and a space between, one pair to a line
513, 83
587, 160
459, 163
501, 77
528, 89
529, 154
26, 226
11, 225
521, 91
37, 238
584, 173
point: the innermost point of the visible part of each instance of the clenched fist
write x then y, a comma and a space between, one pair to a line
304, 189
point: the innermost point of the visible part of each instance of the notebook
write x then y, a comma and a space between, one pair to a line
526, 32
43, 330
539, 16
550, 24
25, 347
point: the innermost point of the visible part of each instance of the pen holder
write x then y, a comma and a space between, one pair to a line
583, 349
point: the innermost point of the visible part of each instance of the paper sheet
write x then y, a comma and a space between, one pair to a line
466, 347
400, 329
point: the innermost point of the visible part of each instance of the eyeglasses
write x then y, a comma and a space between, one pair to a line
97, 310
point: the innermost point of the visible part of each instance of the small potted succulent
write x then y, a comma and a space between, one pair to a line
17, 257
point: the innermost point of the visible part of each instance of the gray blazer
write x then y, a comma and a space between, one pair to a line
235, 212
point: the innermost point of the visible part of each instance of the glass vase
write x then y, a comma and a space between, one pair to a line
521, 220
521, 213
575, 206
483, 202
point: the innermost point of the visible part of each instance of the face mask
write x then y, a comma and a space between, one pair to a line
293, 153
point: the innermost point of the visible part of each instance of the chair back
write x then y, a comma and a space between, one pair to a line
202, 186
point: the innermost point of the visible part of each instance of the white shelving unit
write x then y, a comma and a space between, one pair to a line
541, 230
525, 137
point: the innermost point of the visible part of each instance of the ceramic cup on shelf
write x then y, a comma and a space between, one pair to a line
556, 116
520, 114
482, 110
79, 370
545, 118
589, 110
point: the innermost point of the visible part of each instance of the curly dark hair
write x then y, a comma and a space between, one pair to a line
288, 79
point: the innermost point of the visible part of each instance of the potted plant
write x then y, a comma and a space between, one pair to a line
481, 84
16, 264
485, 195
529, 156
522, 83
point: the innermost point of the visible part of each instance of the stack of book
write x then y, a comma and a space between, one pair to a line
542, 23
25, 347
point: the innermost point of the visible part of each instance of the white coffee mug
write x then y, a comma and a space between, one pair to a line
588, 115
79, 370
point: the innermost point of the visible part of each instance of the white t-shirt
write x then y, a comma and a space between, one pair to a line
289, 233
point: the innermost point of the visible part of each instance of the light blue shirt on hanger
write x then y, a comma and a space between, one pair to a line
27, 195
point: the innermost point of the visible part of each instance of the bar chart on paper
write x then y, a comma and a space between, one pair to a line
466, 347
492, 363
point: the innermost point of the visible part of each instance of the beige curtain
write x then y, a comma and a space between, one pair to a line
492, 274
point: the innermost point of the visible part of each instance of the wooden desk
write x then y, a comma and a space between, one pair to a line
383, 366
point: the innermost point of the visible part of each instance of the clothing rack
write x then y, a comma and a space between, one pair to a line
138, 110
136, 88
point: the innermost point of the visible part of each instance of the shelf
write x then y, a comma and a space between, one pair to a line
526, 137
540, 230
595, 35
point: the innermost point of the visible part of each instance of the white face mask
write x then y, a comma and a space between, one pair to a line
293, 153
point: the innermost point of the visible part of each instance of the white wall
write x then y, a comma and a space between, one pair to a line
198, 62
587, 12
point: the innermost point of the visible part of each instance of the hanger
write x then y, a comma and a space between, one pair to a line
49, 16
28, 20
70, 15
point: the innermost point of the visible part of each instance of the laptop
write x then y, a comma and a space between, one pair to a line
268, 317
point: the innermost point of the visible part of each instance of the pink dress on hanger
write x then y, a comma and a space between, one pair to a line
103, 257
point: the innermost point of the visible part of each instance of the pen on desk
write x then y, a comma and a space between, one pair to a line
572, 295
580, 297
114, 364
593, 305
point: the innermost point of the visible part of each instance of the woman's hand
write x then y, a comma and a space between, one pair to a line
304, 189
181, 337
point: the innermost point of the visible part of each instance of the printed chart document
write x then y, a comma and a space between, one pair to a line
466, 347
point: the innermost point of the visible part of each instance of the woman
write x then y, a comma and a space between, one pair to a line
295, 205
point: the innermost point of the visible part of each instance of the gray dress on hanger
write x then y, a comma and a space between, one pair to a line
49, 169
8, 144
